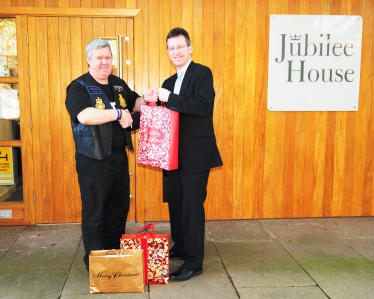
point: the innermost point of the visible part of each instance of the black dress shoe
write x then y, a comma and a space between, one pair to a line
173, 254
184, 274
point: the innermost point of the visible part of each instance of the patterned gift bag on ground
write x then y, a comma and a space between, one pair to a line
158, 137
155, 253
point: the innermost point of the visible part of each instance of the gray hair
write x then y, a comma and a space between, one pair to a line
96, 44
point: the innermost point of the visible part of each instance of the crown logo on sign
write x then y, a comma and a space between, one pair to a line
295, 37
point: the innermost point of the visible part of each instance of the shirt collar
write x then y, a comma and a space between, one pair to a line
184, 69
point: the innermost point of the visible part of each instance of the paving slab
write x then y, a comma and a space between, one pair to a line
349, 228
78, 286
162, 227
263, 263
203, 286
236, 231
8, 235
306, 238
342, 278
211, 254
43, 247
78, 281
308, 292
364, 247
212, 284
32, 283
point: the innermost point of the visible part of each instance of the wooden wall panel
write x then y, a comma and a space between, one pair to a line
35, 113
227, 81
276, 164
70, 27
61, 206
25, 111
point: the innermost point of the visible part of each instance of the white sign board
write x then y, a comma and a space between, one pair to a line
9, 103
314, 62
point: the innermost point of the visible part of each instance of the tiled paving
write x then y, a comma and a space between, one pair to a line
312, 258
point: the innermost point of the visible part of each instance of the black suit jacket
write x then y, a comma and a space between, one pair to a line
198, 150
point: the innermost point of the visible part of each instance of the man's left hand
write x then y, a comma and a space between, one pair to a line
163, 94
126, 119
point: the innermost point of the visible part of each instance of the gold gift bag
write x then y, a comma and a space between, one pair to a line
116, 271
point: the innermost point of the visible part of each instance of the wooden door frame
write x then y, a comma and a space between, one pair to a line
24, 213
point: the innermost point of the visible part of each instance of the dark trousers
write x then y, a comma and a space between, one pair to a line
105, 194
186, 196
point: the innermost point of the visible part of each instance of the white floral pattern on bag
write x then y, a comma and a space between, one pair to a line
155, 137
157, 257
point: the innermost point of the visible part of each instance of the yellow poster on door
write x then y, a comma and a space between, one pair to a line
6, 166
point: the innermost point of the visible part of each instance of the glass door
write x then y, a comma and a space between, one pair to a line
11, 187
14, 208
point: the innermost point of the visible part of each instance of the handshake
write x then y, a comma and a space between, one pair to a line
154, 94
150, 96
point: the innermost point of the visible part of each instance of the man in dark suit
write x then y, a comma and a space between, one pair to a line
191, 93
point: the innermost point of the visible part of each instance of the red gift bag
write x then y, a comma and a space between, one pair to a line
158, 137
155, 253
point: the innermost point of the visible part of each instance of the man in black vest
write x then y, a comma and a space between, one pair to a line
101, 109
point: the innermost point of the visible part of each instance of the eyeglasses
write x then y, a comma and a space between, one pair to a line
179, 48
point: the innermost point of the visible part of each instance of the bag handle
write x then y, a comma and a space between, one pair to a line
119, 254
153, 104
144, 228
110, 253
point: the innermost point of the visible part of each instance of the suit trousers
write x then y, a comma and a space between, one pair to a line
105, 194
186, 196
